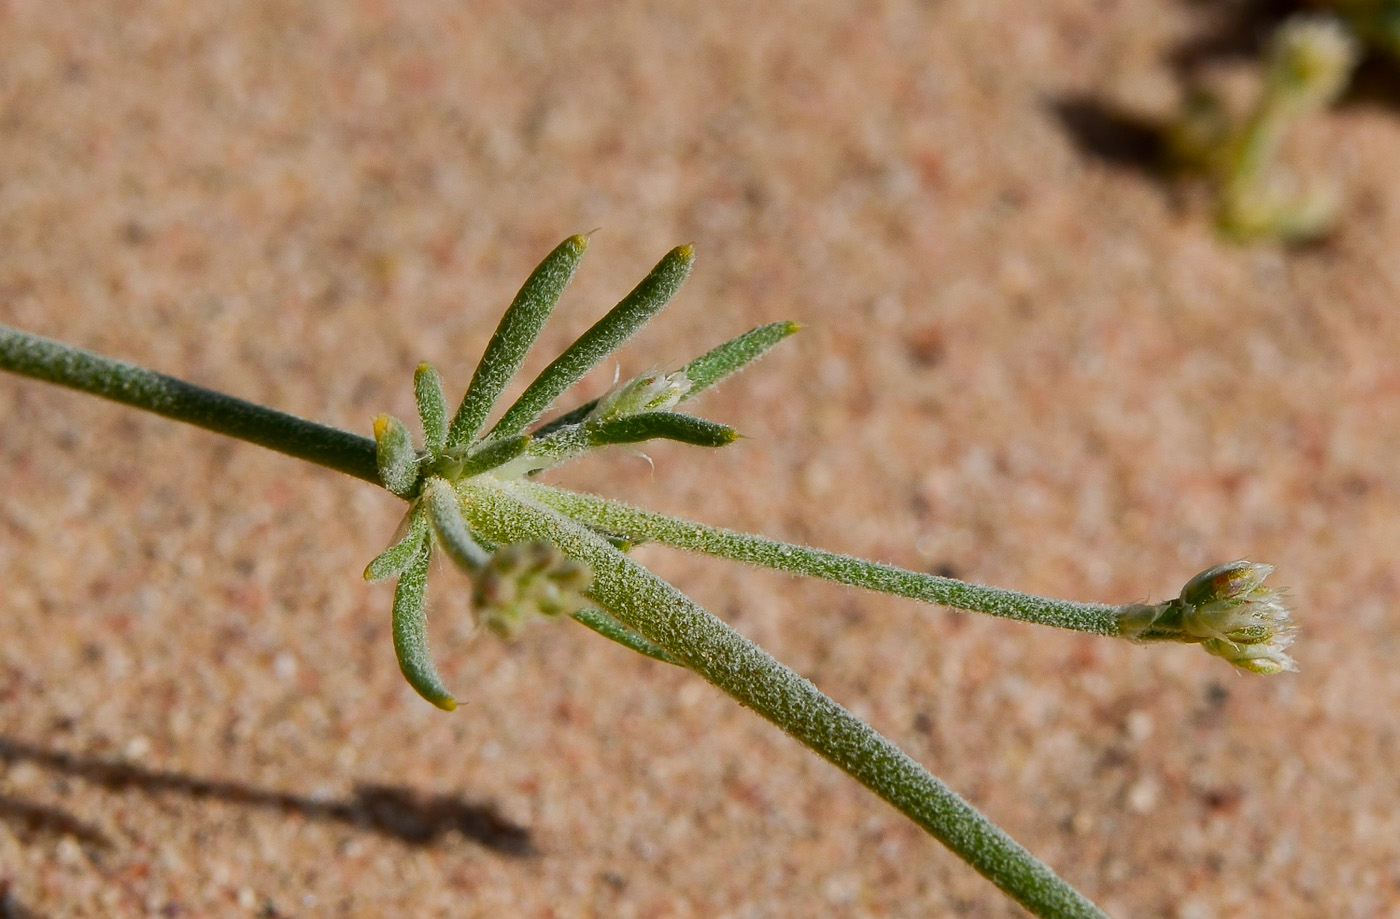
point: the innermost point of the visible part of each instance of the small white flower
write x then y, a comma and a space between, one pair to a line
1228, 611
1236, 617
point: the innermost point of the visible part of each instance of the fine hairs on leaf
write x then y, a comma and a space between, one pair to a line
535, 552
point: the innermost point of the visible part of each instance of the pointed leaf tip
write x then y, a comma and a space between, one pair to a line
603, 338
734, 355
519, 327
410, 628
644, 426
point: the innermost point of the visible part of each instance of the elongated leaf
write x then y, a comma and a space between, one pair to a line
432, 407
734, 355
451, 527
494, 452
607, 626
398, 464
690, 633
606, 336
411, 632
616, 517
706, 370
394, 560
517, 331
687, 429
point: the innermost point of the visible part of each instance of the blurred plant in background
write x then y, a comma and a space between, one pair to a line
1308, 63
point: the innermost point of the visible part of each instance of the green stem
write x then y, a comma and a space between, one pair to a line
635, 523
55, 362
680, 628
690, 633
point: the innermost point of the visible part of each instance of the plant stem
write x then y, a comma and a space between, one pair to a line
635, 523
680, 628
55, 362
690, 633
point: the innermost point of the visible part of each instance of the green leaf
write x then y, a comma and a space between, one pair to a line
606, 336
734, 355
703, 372
687, 429
617, 517
411, 632
432, 407
517, 331
398, 464
690, 633
451, 527
494, 452
607, 626
394, 560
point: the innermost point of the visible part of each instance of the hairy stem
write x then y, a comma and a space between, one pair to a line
680, 629
55, 362
688, 632
635, 523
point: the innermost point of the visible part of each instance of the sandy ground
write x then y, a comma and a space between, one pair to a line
1028, 361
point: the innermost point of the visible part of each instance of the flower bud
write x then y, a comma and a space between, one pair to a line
1228, 611
1311, 59
524, 581
650, 392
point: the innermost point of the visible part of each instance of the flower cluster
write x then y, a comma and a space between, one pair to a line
1228, 611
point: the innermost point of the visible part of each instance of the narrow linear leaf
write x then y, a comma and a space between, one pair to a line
734, 355
432, 407
568, 442
394, 560
451, 527
687, 429
703, 372
493, 453
410, 628
606, 336
398, 463
607, 626
517, 331
558, 447
616, 517
690, 633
